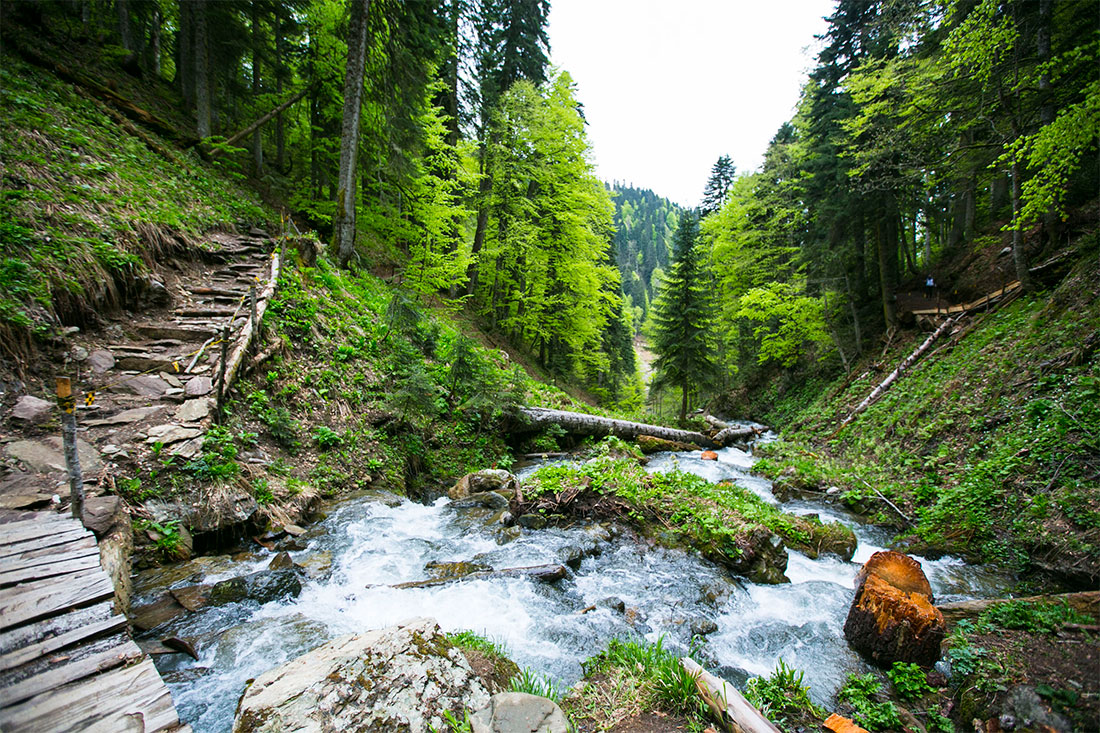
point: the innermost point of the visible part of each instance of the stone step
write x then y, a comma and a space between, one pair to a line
182, 332
204, 312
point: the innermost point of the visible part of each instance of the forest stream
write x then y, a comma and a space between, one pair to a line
625, 588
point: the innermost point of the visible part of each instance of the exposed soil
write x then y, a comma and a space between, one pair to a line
1064, 667
651, 723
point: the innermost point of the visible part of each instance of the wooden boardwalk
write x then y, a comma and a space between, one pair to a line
985, 300
67, 662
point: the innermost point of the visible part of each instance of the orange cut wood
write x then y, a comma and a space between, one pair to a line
897, 569
840, 724
709, 455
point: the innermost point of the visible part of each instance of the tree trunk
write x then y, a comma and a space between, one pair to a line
484, 188
124, 31
257, 136
202, 69
886, 242
1051, 224
344, 221
902, 368
155, 22
1019, 256
580, 423
280, 74
185, 55
859, 239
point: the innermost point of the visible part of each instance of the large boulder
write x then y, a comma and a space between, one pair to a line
518, 712
892, 618
491, 479
32, 410
402, 678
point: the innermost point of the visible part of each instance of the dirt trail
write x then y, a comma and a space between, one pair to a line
151, 376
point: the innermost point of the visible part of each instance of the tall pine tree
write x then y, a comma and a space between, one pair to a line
684, 318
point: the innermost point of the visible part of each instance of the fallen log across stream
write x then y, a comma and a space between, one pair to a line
542, 573
580, 423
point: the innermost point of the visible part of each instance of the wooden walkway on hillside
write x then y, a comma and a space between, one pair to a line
67, 662
988, 299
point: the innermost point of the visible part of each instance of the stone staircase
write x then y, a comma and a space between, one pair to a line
153, 376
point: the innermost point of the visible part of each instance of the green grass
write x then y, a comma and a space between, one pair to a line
715, 518
989, 446
784, 700
85, 205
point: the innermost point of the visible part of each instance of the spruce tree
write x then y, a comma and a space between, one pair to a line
722, 175
684, 318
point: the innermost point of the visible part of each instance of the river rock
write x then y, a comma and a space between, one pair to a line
491, 479
892, 618
652, 444
518, 712
32, 410
451, 570
402, 678
488, 499
262, 587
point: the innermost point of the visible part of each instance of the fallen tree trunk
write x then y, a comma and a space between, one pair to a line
902, 368
541, 573
263, 120
580, 423
1086, 602
733, 434
733, 711
251, 326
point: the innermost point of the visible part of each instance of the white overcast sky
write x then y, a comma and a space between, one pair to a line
668, 86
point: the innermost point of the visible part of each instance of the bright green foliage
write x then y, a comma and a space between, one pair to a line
684, 319
712, 517
546, 280
663, 682
787, 325
859, 691
532, 683
1032, 616
783, 699
909, 680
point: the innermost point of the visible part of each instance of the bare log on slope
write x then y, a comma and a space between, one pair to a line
902, 368
233, 364
263, 120
729, 706
1086, 602
580, 423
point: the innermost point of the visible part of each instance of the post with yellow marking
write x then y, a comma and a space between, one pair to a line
221, 374
67, 402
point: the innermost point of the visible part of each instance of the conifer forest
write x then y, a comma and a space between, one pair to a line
345, 385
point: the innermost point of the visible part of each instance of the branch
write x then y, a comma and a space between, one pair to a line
260, 122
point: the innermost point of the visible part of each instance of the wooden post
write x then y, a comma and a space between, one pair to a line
252, 307
67, 403
221, 373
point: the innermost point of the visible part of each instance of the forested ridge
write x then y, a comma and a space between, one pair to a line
906, 290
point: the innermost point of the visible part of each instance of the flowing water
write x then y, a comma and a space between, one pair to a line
624, 589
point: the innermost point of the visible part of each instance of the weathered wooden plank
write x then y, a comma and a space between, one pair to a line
47, 567
131, 698
40, 549
43, 545
68, 673
31, 633
32, 601
29, 530
26, 654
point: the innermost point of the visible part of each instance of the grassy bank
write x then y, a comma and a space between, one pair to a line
989, 446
